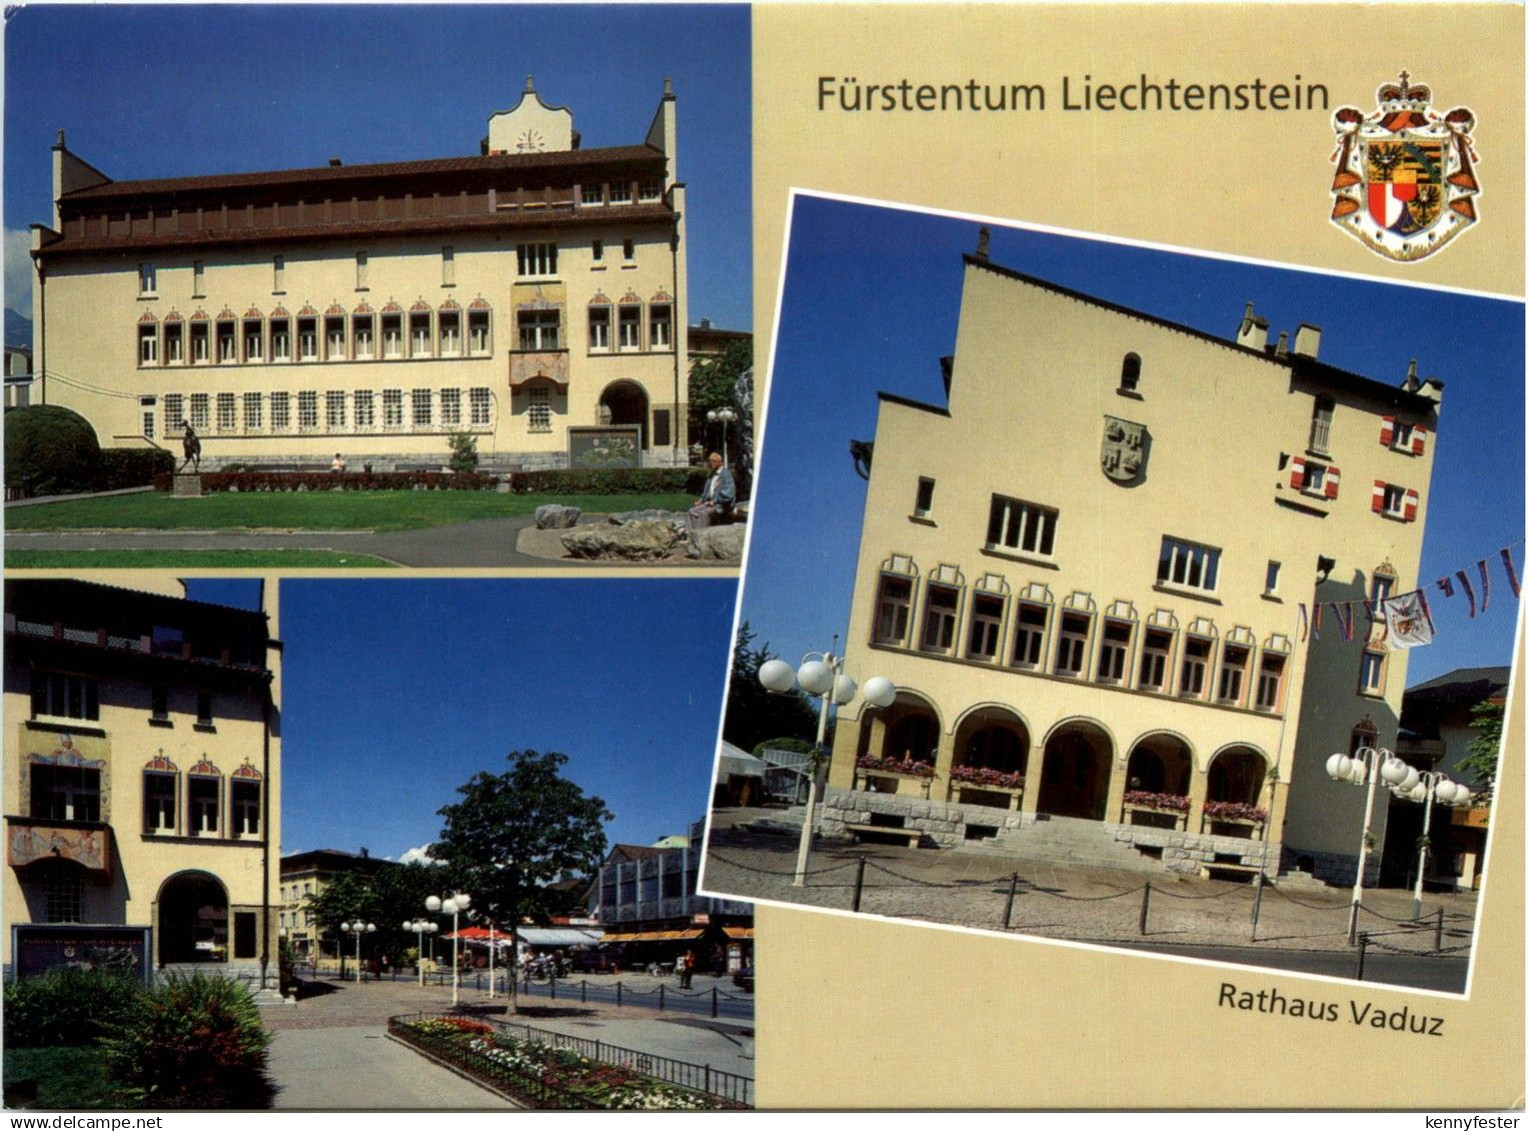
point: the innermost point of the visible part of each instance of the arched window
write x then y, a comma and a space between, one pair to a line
161, 787
1130, 373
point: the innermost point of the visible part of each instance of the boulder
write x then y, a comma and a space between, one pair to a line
631, 542
718, 543
555, 516
649, 515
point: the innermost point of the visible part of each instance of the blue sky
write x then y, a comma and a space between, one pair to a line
397, 692
871, 302
178, 90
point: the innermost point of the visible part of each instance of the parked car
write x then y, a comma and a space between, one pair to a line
592, 962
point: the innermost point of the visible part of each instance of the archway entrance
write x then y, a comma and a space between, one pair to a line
625, 402
1234, 788
193, 919
991, 754
1075, 779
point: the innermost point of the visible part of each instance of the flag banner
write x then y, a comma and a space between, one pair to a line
1506, 561
1304, 623
1485, 584
1408, 620
1469, 590
1447, 585
1315, 622
1344, 617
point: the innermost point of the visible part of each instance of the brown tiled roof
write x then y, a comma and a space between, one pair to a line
577, 158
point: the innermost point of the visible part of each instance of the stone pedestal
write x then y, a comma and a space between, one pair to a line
188, 485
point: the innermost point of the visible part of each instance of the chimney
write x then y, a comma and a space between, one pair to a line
1253, 332
1282, 349
1308, 340
983, 240
335, 162
365, 853
1411, 377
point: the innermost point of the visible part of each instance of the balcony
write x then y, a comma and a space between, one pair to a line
30, 839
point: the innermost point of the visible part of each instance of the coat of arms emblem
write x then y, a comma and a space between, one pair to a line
1124, 450
1405, 183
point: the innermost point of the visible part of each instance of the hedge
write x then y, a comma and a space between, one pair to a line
256, 481
67, 1007
612, 481
132, 467
50, 450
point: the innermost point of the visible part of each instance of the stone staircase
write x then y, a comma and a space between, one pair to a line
1065, 840
248, 973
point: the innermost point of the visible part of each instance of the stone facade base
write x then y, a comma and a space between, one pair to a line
1332, 867
493, 463
942, 823
1190, 853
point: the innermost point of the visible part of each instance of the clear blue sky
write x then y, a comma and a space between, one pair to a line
397, 692
871, 301
176, 90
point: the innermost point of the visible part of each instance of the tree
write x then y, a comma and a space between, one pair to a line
464, 453
712, 380
514, 834
1485, 747
754, 714
49, 450
389, 897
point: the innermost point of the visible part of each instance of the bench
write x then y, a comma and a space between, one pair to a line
911, 836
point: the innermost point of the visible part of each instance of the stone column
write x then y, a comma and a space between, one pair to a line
845, 743
1118, 780
1198, 787
1034, 769
944, 760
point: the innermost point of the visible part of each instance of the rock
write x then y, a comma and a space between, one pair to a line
718, 543
555, 516
650, 515
632, 542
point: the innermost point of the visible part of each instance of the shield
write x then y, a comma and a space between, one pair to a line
1405, 185
1124, 449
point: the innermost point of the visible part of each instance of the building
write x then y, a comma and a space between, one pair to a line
1436, 732
644, 898
307, 873
143, 768
1090, 598
533, 295
18, 376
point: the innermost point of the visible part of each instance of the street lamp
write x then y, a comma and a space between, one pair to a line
492, 946
821, 674
453, 906
1365, 768
420, 927
724, 417
358, 928
1425, 787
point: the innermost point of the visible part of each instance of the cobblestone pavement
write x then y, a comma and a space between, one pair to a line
1075, 903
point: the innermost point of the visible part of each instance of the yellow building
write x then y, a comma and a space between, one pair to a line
1084, 576
306, 874
143, 777
371, 310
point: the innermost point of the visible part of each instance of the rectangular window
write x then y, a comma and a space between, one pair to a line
448, 266
334, 338
244, 934
199, 352
620, 192
392, 408
1029, 637
148, 418
147, 277
661, 427
1394, 502
1371, 673
923, 501
334, 410
174, 343
940, 606
597, 251
64, 899
660, 318
451, 407
200, 411
1013, 524
631, 327
254, 340
478, 401
538, 329
245, 800
1380, 586
278, 274
307, 410
477, 332
361, 328
1270, 681
174, 414
148, 343
1321, 425
1401, 437
1271, 579
986, 627
204, 708
1072, 644
281, 411
629, 250
599, 329
227, 339
60, 696
538, 411
419, 334
1155, 649
365, 409
1196, 659
159, 703
281, 340
252, 413
198, 279
892, 608
392, 335
652, 189
307, 339
1233, 672
424, 412
537, 259
202, 803
450, 333
158, 803
1113, 651
1188, 565
360, 271
65, 793
228, 415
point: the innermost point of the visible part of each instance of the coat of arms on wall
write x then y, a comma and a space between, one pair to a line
1405, 183
1124, 451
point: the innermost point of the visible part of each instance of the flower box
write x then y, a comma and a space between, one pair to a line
891, 766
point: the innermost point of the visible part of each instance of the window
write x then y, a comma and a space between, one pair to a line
538, 329
147, 277
1072, 644
1188, 564
450, 333
227, 353
147, 404
940, 606
1233, 671
1394, 501
1130, 373
538, 259
198, 279
986, 627
597, 251
392, 408
334, 410
334, 338
174, 414
307, 410
1113, 651
448, 266
620, 192
538, 411
158, 803
148, 343
281, 340
227, 412
652, 189
365, 409
479, 404
631, 327
392, 335
1402, 437
1196, 659
1321, 425
1271, 579
477, 332
254, 340
199, 353
1156, 647
893, 605
660, 319
65, 793
451, 407
599, 329
1016, 525
307, 339
1312, 478
1371, 673
245, 801
202, 803
1381, 585
1029, 637
424, 408
174, 343
419, 334
204, 708
199, 411
361, 328
60, 696
278, 274
360, 270
629, 250
252, 413
64, 898
923, 501
281, 411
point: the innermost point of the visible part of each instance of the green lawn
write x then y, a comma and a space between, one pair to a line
311, 510
190, 559
71, 1079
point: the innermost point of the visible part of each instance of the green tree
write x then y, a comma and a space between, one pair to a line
514, 834
50, 450
1484, 749
464, 453
389, 897
755, 715
712, 380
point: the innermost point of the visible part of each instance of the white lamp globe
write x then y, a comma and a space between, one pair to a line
1394, 771
448, 907
1358, 772
844, 689
777, 675
1462, 795
1412, 779
370, 927
345, 927
1417, 792
879, 691
432, 903
408, 925
1335, 768
463, 900
815, 677
1445, 791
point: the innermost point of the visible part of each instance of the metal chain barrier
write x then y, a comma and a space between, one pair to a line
714, 855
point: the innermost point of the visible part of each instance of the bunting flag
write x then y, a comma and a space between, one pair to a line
1379, 619
1447, 586
1506, 561
1304, 629
1408, 620
1469, 590
1485, 584
1343, 614
1315, 622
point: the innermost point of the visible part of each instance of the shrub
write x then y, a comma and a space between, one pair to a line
132, 467
67, 1007
613, 481
193, 1042
464, 454
258, 481
50, 450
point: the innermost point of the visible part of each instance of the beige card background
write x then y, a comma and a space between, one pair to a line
856, 1013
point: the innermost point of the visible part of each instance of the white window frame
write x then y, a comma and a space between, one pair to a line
1187, 565
1114, 652
253, 412
1194, 667
893, 609
1016, 526
480, 406
1231, 678
536, 260
1072, 644
984, 638
1270, 681
334, 410
1158, 679
227, 412
599, 328
365, 414
538, 408
941, 614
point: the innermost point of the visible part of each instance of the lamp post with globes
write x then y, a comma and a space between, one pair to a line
821, 675
420, 927
452, 905
358, 928
1425, 787
724, 417
1365, 767
492, 946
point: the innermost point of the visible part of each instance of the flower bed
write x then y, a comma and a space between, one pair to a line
980, 775
544, 1077
1234, 811
892, 766
1165, 802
